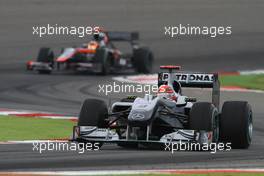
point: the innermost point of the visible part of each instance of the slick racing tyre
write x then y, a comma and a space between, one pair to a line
143, 60
45, 55
236, 124
204, 116
93, 113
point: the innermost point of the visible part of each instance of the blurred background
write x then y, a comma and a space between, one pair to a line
241, 50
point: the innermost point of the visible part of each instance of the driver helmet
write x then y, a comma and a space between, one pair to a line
99, 36
166, 91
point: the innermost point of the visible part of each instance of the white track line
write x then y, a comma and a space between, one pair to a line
251, 72
125, 172
33, 141
34, 114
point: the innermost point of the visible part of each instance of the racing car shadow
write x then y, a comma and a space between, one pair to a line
158, 148
139, 147
85, 73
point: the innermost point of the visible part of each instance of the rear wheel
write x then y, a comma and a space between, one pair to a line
143, 60
204, 116
236, 124
93, 113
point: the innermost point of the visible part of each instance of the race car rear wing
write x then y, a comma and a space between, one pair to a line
194, 80
123, 36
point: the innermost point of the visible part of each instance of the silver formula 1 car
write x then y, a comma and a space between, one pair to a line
159, 119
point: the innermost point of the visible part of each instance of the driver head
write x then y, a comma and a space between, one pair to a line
99, 36
166, 91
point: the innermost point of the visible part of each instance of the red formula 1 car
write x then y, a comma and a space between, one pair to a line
99, 55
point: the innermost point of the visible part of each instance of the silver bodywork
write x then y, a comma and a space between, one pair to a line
155, 119
144, 110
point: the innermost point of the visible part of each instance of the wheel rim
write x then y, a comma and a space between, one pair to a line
250, 127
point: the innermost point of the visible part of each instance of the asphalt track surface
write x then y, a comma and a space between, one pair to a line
243, 50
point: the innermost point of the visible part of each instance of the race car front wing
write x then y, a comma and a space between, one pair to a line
94, 134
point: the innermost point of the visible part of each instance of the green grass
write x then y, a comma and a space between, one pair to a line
245, 81
23, 128
208, 174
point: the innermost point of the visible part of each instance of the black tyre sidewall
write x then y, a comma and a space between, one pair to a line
46, 55
143, 60
93, 113
234, 123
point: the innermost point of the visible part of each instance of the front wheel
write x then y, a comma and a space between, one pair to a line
46, 56
93, 113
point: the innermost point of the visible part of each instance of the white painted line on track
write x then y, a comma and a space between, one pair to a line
34, 114
251, 72
34, 141
127, 172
